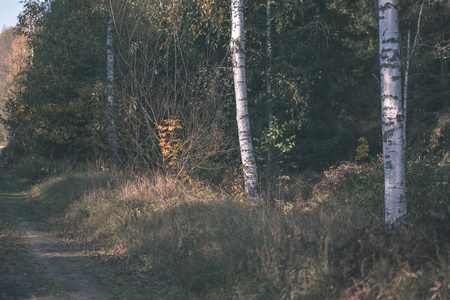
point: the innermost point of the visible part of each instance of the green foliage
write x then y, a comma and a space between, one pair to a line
275, 137
62, 102
361, 186
428, 190
7, 37
362, 151
428, 91
172, 63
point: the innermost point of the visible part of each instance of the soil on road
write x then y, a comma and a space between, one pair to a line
34, 262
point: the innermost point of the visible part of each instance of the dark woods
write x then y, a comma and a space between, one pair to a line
174, 90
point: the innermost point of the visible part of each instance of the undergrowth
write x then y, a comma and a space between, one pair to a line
324, 240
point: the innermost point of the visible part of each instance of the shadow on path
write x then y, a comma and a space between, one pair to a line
34, 264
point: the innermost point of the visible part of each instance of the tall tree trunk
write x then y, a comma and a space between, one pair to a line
409, 55
444, 73
405, 88
269, 89
392, 114
113, 151
240, 89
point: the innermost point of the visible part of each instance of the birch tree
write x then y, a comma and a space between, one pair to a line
240, 88
110, 89
392, 114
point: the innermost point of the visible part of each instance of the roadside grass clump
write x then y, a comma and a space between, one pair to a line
328, 242
362, 187
36, 168
215, 244
428, 179
54, 195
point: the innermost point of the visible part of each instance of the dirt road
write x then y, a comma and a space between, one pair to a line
34, 263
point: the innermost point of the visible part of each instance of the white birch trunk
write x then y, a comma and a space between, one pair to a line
392, 114
240, 89
110, 91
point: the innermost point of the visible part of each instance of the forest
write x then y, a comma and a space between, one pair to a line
238, 149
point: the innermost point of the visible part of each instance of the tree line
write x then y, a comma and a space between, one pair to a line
310, 92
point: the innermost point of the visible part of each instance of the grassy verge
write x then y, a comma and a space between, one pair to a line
172, 240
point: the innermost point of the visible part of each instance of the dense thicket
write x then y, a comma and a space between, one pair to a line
62, 93
174, 82
6, 41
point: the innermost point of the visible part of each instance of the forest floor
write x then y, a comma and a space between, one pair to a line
34, 262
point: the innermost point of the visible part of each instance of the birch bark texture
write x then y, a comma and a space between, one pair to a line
392, 114
240, 88
113, 151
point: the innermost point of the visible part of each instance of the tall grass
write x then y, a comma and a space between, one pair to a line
327, 242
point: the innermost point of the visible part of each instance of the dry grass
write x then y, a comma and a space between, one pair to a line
330, 244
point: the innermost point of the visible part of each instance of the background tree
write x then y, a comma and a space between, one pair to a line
410, 51
15, 113
113, 150
269, 85
428, 89
7, 37
64, 95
